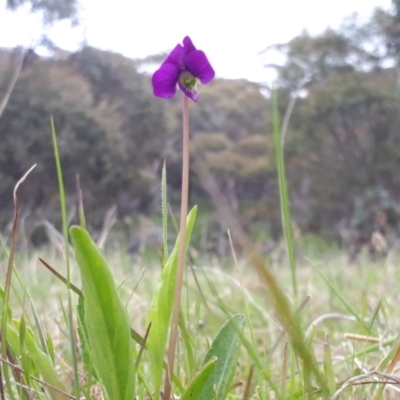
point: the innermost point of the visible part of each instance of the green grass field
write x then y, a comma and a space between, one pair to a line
353, 314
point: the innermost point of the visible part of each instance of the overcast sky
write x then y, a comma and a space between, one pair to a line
232, 33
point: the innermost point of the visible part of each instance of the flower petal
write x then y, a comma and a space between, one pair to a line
188, 45
176, 57
199, 66
164, 81
191, 93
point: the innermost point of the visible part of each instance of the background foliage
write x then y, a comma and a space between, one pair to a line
342, 142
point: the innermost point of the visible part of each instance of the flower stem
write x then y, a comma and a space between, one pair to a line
181, 255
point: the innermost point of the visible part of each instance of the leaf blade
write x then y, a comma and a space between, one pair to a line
195, 387
225, 347
106, 320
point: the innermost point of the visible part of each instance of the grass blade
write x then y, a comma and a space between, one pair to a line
284, 374
343, 300
66, 250
283, 192
328, 366
160, 311
6, 296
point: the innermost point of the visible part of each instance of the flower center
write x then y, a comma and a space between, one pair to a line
188, 80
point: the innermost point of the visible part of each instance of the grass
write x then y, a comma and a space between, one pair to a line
228, 291
303, 326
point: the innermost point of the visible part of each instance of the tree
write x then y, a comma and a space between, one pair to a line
52, 10
109, 129
342, 140
311, 60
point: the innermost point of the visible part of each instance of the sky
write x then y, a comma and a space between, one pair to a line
232, 33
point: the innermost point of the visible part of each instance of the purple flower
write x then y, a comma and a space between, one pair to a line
185, 66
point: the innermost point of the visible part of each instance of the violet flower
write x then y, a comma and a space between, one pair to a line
185, 66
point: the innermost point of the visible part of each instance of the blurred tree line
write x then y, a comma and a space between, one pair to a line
342, 146
343, 143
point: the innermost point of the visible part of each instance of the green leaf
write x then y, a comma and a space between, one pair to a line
41, 360
50, 347
160, 311
9, 312
106, 320
225, 347
196, 386
84, 337
45, 366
